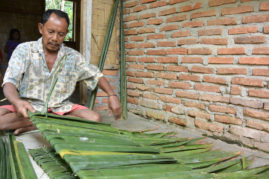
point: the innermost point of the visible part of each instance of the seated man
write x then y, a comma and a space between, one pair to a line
35, 65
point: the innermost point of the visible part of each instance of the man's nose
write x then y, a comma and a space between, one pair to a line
55, 37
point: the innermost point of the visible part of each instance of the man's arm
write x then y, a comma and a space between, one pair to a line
113, 100
12, 95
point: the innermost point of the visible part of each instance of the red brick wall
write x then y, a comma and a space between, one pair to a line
201, 64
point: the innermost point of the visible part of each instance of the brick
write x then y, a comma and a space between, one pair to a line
247, 103
199, 51
155, 36
260, 72
101, 94
262, 146
220, 60
178, 121
149, 103
130, 32
177, 51
135, 52
247, 132
222, 21
214, 41
176, 18
220, 2
131, 86
254, 61
110, 72
221, 109
247, 81
168, 60
236, 10
266, 29
250, 40
181, 34
133, 93
194, 104
169, 28
101, 108
243, 30
154, 67
135, 80
176, 1
246, 0
167, 107
235, 90
136, 24
130, 73
146, 30
199, 69
130, 18
158, 4
130, 46
126, 11
144, 74
130, 4
264, 6
171, 76
168, 11
197, 5
137, 38
213, 127
163, 90
147, 15
258, 125
150, 96
260, 51
231, 51
139, 8
146, 59
189, 77
143, 87
187, 41
177, 109
199, 114
166, 44
170, 99
217, 80
207, 13
155, 114
179, 85
155, 82
193, 24
146, 45
208, 32
136, 66
214, 98
225, 71
228, 119
156, 52
191, 60
176, 68
258, 93
255, 19
256, 114
147, 1
207, 88
155, 21
189, 95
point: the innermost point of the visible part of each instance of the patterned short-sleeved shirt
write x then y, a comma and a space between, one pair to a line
28, 71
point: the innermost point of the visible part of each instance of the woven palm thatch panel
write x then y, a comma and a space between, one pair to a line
100, 16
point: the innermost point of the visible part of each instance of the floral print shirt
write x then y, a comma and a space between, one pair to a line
28, 71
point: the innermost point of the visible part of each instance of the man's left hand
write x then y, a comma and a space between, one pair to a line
115, 106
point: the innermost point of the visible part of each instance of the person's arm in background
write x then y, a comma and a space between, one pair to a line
113, 100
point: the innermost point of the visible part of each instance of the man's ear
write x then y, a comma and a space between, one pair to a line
40, 28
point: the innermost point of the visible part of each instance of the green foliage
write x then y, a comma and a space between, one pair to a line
68, 7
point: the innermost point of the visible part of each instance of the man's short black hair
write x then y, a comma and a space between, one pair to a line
59, 13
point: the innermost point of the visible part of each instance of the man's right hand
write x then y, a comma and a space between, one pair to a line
22, 107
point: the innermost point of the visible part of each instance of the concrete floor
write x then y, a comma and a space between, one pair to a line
34, 139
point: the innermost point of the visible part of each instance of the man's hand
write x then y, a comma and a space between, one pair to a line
115, 106
22, 107
24, 129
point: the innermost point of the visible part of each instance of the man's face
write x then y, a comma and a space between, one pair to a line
53, 33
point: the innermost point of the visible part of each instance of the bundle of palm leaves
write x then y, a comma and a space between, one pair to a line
14, 160
97, 150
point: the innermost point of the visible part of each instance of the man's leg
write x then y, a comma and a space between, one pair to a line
86, 114
11, 121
